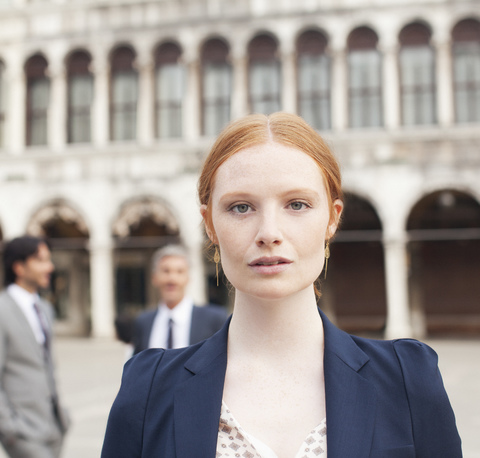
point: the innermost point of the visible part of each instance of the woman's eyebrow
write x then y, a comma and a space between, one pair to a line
289, 192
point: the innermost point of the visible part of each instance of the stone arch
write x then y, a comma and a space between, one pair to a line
357, 260
216, 85
365, 90
56, 220
67, 233
170, 74
264, 73
139, 216
314, 69
143, 224
444, 247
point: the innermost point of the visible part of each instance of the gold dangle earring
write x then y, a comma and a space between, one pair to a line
327, 256
216, 260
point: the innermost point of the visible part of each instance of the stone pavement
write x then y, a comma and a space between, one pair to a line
89, 373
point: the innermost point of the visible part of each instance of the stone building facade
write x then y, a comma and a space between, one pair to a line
108, 107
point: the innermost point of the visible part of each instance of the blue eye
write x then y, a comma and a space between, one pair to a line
241, 208
297, 206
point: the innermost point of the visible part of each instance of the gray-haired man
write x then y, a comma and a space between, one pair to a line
176, 322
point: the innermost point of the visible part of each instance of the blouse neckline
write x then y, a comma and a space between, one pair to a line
233, 441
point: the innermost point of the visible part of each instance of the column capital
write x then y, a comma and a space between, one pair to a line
389, 49
144, 62
56, 72
192, 62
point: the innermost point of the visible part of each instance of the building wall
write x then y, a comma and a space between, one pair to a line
392, 167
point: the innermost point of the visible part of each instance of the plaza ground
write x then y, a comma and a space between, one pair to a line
89, 372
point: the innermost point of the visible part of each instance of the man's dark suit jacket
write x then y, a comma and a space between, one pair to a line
384, 399
206, 321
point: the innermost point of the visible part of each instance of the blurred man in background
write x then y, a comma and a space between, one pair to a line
176, 322
32, 422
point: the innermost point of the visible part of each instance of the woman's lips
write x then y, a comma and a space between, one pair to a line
270, 265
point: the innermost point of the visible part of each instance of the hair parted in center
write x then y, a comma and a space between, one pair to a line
257, 129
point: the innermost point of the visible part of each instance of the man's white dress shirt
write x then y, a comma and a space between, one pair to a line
25, 301
181, 316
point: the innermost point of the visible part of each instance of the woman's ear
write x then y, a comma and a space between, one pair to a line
337, 208
207, 220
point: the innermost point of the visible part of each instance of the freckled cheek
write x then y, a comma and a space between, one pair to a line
234, 243
311, 240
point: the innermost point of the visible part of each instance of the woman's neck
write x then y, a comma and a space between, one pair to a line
275, 327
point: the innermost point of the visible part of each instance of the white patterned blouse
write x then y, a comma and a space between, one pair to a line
234, 442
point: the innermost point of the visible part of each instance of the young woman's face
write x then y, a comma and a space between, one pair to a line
270, 218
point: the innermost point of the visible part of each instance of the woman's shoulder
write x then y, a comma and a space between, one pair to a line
149, 362
401, 358
400, 348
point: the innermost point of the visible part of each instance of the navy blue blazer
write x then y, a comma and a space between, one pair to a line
206, 321
384, 399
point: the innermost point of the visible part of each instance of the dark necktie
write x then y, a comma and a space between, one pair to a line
63, 423
43, 324
170, 334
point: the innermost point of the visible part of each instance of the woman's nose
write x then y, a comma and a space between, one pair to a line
269, 230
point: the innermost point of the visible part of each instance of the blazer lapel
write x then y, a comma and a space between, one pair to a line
350, 398
23, 327
198, 400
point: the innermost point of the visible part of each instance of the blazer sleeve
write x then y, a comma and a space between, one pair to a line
125, 426
434, 428
7, 424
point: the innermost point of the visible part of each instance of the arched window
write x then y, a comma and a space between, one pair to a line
365, 81
2, 104
216, 86
124, 95
169, 91
38, 95
417, 75
313, 66
466, 70
80, 95
444, 249
357, 259
264, 80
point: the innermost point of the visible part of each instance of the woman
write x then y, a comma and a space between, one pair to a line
279, 380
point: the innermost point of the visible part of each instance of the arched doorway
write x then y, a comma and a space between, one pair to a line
68, 235
444, 248
354, 291
142, 226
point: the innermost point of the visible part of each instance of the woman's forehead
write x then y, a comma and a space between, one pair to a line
270, 162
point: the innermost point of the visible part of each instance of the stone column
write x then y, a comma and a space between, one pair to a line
197, 286
289, 84
16, 104
444, 72
339, 90
102, 288
239, 86
390, 85
57, 110
398, 313
191, 106
100, 103
146, 102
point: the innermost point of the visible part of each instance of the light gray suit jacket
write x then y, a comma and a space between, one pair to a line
27, 386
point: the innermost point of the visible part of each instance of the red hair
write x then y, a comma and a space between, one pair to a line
257, 129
